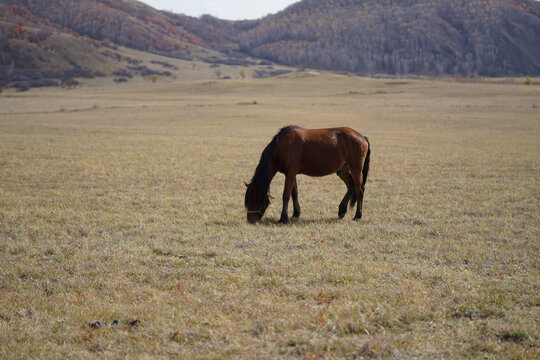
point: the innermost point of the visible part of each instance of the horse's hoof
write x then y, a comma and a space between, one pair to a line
283, 221
296, 216
341, 215
357, 217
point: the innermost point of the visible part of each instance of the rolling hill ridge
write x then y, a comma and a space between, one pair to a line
62, 39
466, 37
78, 38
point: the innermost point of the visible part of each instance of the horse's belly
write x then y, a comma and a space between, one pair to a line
319, 172
321, 164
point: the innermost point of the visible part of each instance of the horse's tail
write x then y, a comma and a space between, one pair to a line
365, 171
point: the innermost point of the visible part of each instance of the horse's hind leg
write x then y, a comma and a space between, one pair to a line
296, 204
345, 175
359, 188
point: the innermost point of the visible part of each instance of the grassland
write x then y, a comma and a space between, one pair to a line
126, 203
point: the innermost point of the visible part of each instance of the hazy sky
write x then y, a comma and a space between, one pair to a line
223, 9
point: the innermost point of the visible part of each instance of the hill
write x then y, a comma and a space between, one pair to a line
44, 43
467, 37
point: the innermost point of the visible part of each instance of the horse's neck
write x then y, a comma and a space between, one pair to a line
271, 173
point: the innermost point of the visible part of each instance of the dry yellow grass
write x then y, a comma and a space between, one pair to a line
126, 203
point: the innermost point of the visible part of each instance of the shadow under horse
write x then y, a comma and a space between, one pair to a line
312, 152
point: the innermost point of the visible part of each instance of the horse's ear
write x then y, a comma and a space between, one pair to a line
245, 183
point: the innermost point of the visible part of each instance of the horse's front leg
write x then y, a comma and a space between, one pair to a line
290, 179
296, 204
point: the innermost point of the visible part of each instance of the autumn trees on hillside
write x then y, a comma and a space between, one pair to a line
464, 37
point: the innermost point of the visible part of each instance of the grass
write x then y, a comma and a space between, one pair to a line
126, 203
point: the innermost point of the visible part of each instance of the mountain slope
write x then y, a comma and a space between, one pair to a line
468, 37
431, 37
123, 22
62, 39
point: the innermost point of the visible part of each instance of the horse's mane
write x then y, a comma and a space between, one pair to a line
261, 178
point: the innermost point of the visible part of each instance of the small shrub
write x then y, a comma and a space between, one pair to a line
70, 83
132, 61
79, 72
516, 336
164, 64
123, 73
528, 80
153, 78
23, 86
138, 68
43, 83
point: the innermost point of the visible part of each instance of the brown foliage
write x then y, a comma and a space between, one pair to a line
432, 37
421, 37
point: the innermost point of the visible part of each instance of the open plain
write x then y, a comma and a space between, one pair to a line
126, 203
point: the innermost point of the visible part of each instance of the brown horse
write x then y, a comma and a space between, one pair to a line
313, 152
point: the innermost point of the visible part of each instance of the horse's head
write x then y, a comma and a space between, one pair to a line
256, 203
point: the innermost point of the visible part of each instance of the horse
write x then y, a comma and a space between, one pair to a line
313, 152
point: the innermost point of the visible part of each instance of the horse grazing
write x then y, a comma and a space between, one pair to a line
312, 152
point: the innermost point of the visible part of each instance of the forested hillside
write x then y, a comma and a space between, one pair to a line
129, 23
45, 42
78, 38
467, 37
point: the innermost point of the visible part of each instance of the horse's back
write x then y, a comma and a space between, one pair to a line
317, 152
345, 139
336, 145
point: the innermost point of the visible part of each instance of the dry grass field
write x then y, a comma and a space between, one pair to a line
126, 203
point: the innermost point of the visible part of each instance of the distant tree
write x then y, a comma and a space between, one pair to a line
243, 73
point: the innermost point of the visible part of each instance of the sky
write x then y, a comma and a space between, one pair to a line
223, 9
